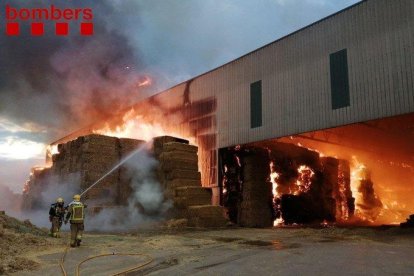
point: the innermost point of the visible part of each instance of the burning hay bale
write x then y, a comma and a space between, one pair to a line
82, 162
39, 178
100, 158
370, 205
304, 188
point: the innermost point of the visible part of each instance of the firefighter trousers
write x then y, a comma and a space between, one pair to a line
56, 225
76, 231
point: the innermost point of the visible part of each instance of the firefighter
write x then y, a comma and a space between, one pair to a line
56, 216
76, 215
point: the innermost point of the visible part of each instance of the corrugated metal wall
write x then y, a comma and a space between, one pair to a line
378, 35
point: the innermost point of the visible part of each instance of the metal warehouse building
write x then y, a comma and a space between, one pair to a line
346, 80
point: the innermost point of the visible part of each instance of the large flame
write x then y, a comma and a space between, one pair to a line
391, 179
304, 180
135, 126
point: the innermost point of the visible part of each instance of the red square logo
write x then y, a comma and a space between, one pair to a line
62, 28
86, 28
38, 29
12, 28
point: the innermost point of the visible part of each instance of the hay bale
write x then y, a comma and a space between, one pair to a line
185, 202
158, 143
178, 155
192, 192
178, 183
183, 174
174, 146
179, 165
206, 216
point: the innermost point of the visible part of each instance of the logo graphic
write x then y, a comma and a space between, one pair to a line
64, 21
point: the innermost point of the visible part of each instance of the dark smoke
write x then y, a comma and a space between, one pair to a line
80, 80
64, 83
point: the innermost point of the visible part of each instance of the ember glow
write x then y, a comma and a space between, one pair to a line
304, 180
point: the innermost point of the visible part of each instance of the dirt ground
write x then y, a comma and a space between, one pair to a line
18, 237
238, 251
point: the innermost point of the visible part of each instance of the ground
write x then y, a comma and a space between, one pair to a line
238, 251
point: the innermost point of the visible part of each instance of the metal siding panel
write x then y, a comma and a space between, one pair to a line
295, 75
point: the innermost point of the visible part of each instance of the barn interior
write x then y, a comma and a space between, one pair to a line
359, 174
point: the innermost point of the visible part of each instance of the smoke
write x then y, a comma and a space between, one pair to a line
73, 80
46, 194
146, 204
9, 200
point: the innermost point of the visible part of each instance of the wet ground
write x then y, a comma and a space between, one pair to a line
237, 251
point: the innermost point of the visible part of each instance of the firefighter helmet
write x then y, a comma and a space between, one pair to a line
59, 200
76, 197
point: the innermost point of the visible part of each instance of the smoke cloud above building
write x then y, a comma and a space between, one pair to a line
52, 85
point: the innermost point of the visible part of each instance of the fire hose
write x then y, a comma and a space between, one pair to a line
123, 272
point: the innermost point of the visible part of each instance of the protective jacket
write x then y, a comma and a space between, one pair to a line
57, 211
76, 212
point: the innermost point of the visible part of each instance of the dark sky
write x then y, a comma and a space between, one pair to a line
49, 82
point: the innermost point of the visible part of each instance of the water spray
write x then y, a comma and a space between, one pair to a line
139, 149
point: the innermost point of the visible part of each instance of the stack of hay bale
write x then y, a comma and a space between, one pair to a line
256, 207
81, 163
39, 178
179, 175
91, 156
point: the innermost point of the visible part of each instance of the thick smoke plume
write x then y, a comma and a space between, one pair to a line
64, 83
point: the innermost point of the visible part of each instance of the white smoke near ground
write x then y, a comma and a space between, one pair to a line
52, 189
146, 204
9, 200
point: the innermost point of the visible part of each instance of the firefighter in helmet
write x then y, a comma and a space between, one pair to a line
56, 216
76, 216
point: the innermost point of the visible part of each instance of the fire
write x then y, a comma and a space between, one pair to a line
135, 126
274, 177
358, 174
342, 193
304, 180
39, 169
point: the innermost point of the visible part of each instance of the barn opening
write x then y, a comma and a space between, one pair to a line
359, 174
